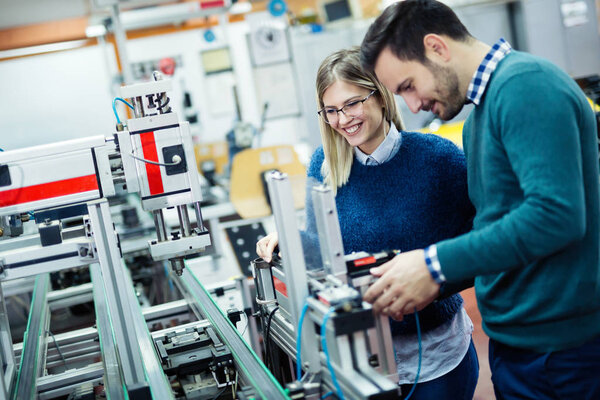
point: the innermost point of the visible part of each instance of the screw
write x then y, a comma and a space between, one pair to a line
374, 361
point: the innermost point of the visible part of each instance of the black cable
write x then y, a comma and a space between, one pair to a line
58, 349
247, 323
267, 338
220, 393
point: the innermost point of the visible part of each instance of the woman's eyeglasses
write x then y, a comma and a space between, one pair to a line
353, 109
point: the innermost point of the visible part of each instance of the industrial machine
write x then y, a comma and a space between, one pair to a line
186, 347
152, 156
353, 355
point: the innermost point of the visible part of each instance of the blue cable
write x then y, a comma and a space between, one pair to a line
166, 268
326, 395
299, 342
420, 355
324, 345
115, 107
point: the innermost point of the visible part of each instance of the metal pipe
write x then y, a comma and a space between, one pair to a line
121, 41
138, 107
159, 224
184, 220
199, 219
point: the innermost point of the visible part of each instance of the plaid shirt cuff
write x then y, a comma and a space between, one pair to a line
433, 264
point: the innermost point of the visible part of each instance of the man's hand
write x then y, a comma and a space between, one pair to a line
404, 284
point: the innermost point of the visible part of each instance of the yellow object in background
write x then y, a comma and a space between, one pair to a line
218, 152
451, 131
247, 193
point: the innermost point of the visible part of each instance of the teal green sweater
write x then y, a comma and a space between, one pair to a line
532, 169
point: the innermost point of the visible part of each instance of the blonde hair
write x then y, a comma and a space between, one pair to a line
344, 65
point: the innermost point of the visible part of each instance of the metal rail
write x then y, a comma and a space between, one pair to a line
247, 362
36, 329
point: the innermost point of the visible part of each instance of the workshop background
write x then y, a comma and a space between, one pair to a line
243, 76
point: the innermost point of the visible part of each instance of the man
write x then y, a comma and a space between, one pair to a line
532, 162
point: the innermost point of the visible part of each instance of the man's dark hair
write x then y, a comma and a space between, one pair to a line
403, 25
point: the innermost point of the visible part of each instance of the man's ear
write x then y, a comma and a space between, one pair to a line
436, 47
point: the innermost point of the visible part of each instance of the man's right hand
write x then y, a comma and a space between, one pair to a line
266, 246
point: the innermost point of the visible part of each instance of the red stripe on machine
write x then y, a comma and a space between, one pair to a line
323, 300
364, 261
212, 3
155, 183
48, 190
280, 286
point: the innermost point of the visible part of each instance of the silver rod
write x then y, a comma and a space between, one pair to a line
138, 107
199, 219
159, 224
121, 41
184, 220
50, 382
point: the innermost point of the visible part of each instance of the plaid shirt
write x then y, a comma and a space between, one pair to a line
479, 82
481, 77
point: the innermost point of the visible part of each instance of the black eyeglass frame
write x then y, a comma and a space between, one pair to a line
346, 105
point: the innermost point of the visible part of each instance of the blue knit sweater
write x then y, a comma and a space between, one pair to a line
415, 199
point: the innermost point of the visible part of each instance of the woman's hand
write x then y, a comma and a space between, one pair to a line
266, 246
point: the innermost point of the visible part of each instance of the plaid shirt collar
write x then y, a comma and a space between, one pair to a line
482, 75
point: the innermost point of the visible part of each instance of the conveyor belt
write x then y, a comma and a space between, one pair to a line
264, 383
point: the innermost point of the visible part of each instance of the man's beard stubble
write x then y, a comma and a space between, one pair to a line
447, 88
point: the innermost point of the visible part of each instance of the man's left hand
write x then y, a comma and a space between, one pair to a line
404, 284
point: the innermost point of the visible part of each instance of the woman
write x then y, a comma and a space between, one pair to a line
395, 190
